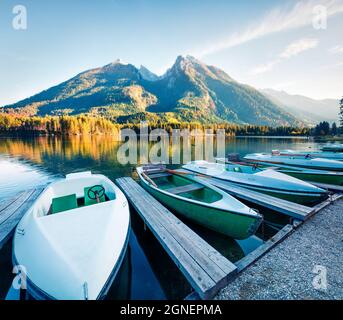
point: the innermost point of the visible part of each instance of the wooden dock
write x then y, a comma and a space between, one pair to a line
203, 266
331, 187
294, 210
12, 210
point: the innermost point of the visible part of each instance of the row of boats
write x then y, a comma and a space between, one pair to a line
73, 239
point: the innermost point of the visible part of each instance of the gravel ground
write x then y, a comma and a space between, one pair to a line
288, 271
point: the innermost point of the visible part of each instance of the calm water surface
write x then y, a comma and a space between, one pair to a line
147, 271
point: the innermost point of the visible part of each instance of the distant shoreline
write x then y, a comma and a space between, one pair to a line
277, 137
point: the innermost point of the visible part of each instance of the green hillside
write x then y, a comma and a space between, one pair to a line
188, 91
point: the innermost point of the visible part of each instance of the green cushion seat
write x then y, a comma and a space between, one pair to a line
89, 201
64, 203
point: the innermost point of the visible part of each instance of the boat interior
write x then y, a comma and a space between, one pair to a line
179, 185
242, 169
92, 195
231, 167
71, 194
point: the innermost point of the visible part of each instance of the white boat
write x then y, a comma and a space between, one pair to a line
73, 239
313, 154
266, 181
309, 163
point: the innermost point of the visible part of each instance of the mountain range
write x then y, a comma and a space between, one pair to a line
189, 91
311, 111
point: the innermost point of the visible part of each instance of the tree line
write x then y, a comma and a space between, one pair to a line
84, 124
324, 129
64, 125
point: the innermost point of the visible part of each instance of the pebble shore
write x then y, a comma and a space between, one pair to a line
295, 269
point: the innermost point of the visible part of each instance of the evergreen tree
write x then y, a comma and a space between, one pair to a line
334, 129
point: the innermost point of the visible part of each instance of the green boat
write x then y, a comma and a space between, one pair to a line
200, 202
311, 175
320, 176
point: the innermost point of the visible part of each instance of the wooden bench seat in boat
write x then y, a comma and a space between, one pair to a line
159, 175
154, 168
186, 188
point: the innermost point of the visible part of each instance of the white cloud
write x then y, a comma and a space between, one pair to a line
336, 50
298, 46
277, 20
265, 67
292, 50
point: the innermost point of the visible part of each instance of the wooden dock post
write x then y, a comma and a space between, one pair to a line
203, 266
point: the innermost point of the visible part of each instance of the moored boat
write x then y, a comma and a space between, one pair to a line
333, 147
311, 175
308, 163
200, 202
73, 239
267, 181
312, 154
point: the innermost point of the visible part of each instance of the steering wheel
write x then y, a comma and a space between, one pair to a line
96, 192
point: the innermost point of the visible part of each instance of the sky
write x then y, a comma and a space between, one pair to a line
290, 45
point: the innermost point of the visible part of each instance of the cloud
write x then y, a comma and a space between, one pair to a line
292, 50
336, 50
278, 20
265, 67
299, 46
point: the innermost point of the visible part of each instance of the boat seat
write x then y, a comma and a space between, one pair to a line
159, 175
237, 169
63, 203
186, 188
88, 200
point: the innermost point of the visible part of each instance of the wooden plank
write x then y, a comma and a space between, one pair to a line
264, 248
9, 210
159, 175
6, 202
203, 266
13, 213
327, 202
186, 188
198, 278
325, 186
285, 207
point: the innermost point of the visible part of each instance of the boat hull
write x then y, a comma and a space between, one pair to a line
36, 293
315, 177
228, 223
328, 165
301, 198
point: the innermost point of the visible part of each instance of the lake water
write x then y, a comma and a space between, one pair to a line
147, 271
